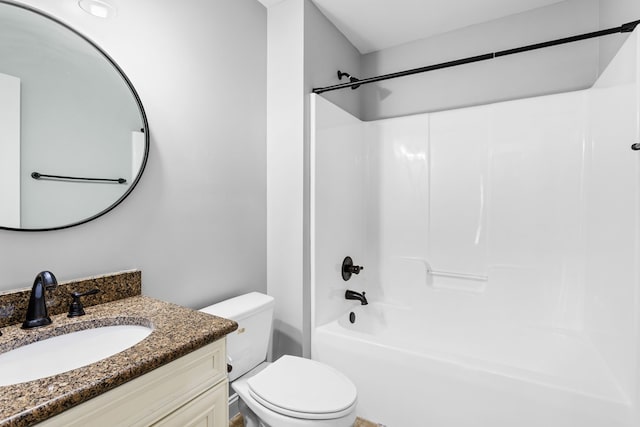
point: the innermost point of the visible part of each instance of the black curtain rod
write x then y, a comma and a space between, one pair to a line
354, 83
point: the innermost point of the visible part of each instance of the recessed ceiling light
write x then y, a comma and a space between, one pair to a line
99, 8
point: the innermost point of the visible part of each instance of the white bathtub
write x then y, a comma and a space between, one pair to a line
412, 371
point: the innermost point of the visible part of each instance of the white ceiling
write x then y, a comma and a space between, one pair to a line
373, 25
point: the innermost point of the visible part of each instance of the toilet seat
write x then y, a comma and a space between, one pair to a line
303, 388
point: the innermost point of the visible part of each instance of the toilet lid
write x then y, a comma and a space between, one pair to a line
303, 388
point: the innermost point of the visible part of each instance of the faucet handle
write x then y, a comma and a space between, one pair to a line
75, 308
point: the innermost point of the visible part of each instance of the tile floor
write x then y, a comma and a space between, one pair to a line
237, 422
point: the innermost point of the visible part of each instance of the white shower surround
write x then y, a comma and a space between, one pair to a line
534, 206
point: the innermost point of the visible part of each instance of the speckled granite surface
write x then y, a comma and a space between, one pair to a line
13, 304
176, 331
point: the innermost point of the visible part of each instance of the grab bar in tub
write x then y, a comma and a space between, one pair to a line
455, 275
443, 273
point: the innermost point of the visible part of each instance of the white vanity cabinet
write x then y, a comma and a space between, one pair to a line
190, 391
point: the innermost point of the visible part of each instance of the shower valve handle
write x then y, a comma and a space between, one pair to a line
355, 269
348, 268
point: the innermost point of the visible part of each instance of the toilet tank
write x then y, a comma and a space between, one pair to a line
247, 346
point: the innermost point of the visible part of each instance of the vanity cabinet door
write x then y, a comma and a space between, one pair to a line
154, 396
207, 410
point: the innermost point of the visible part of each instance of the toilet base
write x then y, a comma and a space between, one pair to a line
249, 417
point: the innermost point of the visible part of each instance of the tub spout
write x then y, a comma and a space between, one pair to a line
356, 296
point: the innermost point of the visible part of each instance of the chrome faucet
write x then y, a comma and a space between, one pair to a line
37, 312
356, 296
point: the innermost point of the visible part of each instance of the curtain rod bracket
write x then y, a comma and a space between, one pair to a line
629, 26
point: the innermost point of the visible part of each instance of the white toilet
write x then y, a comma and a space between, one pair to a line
290, 392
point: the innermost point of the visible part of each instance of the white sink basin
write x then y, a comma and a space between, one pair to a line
67, 352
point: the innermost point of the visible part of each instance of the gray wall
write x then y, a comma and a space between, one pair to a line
195, 225
327, 50
305, 50
558, 69
285, 173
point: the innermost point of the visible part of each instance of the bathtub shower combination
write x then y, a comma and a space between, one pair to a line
501, 247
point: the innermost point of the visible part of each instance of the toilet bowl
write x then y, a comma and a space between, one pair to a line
290, 392
297, 392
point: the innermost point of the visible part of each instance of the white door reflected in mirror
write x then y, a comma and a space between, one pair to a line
10, 150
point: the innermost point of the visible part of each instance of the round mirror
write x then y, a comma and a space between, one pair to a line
74, 137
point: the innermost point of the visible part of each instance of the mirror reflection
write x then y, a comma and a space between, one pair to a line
73, 133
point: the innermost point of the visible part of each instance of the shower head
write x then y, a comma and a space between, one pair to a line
350, 77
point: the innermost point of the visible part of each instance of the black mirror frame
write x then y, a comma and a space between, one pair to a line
143, 115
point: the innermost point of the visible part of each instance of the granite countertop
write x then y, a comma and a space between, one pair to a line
177, 331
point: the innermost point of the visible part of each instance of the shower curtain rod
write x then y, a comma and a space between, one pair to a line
355, 83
